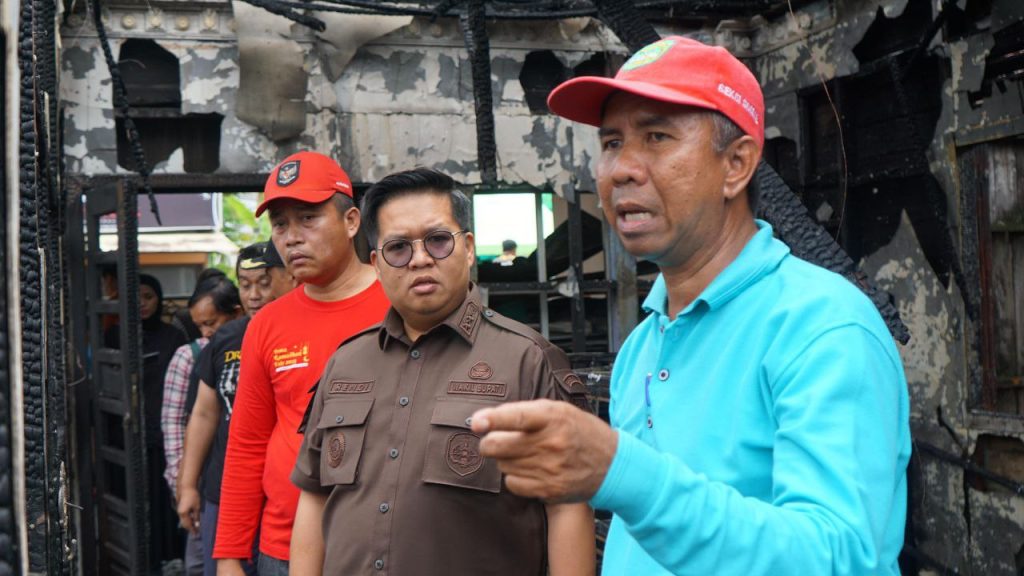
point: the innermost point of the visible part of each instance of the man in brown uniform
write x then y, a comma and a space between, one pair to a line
388, 437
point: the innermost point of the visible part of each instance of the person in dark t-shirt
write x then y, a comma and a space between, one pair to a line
260, 271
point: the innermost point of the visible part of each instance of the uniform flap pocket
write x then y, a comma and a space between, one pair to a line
345, 413
456, 413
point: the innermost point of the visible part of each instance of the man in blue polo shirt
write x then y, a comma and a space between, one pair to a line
760, 412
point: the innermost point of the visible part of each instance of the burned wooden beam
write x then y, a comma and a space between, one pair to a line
808, 240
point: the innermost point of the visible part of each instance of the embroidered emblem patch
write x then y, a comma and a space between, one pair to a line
288, 173
481, 371
573, 384
469, 319
572, 381
464, 453
336, 449
648, 54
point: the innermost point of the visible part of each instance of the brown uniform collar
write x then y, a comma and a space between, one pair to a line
463, 321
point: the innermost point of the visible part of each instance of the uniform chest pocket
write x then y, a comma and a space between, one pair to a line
343, 424
453, 451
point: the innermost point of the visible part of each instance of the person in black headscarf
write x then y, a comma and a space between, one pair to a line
159, 341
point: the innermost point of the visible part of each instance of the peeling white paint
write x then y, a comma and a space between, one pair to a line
345, 33
360, 118
923, 304
997, 535
87, 99
209, 79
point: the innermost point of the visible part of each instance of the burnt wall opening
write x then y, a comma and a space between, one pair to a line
1003, 65
783, 154
969, 20
151, 74
864, 169
541, 72
889, 35
600, 64
152, 81
1003, 456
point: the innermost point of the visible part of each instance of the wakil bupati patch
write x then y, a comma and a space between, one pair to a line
288, 173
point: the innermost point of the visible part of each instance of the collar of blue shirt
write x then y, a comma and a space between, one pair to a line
762, 254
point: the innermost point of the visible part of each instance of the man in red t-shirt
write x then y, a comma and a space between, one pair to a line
313, 220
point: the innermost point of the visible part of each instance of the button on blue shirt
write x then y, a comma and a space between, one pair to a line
774, 436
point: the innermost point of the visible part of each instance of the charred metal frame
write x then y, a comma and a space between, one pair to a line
479, 48
976, 259
119, 541
123, 108
977, 263
113, 390
8, 530
42, 288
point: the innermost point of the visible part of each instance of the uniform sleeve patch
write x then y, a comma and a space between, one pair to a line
573, 388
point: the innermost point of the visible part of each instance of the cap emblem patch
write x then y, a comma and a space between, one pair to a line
288, 173
250, 264
464, 453
336, 449
648, 54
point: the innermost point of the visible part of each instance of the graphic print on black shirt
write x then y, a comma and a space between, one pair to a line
219, 366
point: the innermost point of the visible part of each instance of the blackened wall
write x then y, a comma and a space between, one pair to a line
8, 536
42, 288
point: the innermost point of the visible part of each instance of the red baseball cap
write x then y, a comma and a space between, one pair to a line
307, 177
676, 70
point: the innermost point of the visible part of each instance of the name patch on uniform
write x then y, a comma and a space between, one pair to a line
463, 455
478, 388
342, 387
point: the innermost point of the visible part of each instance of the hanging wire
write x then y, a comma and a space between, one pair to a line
845, 175
495, 10
122, 105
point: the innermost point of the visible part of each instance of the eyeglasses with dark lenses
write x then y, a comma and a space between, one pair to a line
439, 244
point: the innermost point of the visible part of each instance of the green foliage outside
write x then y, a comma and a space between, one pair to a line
240, 226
